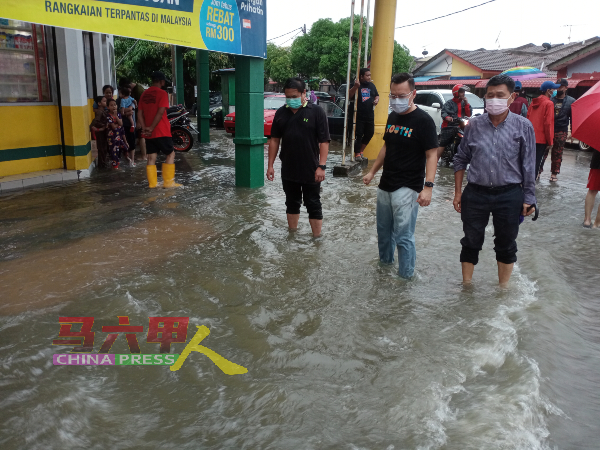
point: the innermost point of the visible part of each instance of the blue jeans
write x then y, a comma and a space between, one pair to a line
396, 221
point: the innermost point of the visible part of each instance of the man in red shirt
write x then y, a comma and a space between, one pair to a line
157, 130
458, 106
519, 105
541, 115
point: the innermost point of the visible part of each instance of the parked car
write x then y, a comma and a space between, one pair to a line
216, 115
215, 97
335, 118
323, 96
272, 104
431, 101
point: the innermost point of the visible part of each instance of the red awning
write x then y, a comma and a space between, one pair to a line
447, 82
534, 82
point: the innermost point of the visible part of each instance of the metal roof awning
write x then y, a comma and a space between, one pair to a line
537, 82
420, 79
447, 82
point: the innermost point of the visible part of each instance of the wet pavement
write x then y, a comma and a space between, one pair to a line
340, 352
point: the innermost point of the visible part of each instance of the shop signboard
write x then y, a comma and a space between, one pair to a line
230, 26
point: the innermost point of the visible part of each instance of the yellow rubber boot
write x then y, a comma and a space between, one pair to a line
168, 174
152, 175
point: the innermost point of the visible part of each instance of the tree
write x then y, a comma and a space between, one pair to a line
278, 65
148, 56
402, 60
323, 51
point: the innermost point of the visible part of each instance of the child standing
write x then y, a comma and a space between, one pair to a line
115, 133
98, 129
128, 107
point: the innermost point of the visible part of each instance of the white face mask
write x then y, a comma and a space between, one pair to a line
400, 105
496, 106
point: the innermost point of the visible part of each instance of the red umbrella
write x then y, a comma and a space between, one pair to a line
586, 117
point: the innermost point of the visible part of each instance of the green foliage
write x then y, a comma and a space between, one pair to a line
147, 57
278, 65
323, 51
402, 60
144, 59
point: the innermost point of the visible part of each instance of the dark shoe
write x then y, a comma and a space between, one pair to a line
586, 226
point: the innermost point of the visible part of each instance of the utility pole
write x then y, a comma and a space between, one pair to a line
367, 36
348, 84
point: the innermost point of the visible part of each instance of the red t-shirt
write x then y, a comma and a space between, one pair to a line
152, 99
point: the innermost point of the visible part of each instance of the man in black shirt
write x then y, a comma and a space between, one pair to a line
368, 97
408, 155
302, 129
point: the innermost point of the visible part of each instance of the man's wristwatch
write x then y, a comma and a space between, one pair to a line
429, 184
323, 166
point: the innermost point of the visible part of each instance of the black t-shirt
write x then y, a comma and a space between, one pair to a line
407, 138
366, 94
300, 133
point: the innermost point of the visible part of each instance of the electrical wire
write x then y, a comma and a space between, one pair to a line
462, 10
293, 37
290, 32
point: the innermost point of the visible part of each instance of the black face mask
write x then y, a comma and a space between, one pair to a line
561, 94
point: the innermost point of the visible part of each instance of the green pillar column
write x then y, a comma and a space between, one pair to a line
179, 75
249, 122
202, 77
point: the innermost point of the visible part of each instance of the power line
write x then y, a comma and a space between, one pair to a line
290, 32
293, 37
441, 17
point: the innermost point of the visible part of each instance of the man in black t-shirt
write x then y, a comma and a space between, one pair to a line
408, 155
302, 129
368, 97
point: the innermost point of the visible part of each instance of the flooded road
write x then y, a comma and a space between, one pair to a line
340, 352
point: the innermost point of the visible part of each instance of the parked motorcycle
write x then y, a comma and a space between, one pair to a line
452, 147
181, 128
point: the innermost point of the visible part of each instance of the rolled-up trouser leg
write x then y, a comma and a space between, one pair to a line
540, 157
368, 132
475, 215
360, 131
312, 200
385, 227
406, 209
505, 217
293, 196
560, 138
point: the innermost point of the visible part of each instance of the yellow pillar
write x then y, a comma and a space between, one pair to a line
382, 52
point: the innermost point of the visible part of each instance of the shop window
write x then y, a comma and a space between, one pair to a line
23, 62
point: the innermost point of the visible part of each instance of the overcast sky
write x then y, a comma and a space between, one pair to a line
518, 22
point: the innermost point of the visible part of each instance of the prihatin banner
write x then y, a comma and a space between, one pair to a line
229, 26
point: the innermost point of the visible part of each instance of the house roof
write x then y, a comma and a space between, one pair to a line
533, 83
525, 55
591, 48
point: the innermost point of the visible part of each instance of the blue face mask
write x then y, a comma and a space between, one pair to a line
400, 105
553, 94
294, 103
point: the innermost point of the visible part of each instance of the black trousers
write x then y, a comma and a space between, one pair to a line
129, 135
295, 192
540, 149
364, 133
505, 203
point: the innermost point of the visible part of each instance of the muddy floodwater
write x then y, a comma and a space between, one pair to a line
340, 352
